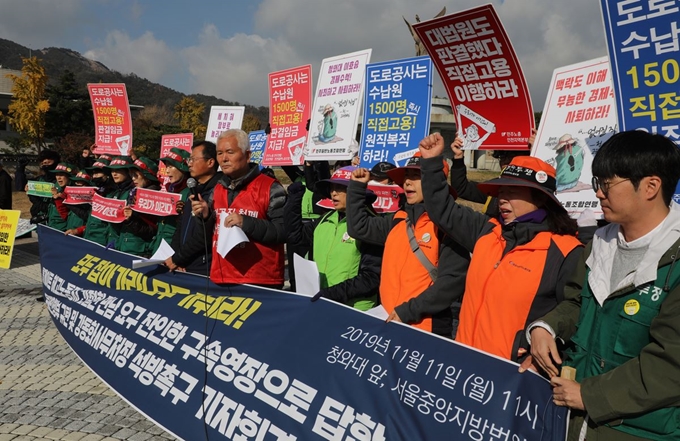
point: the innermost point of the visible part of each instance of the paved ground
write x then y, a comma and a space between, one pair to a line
45, 390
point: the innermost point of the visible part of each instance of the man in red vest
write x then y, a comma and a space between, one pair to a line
249, 200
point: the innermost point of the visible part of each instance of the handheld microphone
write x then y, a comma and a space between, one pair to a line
191, 185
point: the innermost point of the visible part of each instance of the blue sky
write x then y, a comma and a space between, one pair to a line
226, 48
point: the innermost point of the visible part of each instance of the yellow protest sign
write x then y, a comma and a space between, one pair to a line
8, 227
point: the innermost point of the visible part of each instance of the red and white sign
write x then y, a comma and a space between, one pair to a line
388, 197
78, 195
387, 201
482, 76
158, 203
290, 101
223, 118
112, 119
107, 209
183, 141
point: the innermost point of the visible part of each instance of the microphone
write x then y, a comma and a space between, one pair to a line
191, 185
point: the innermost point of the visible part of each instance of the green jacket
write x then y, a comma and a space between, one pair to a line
338, 256
77, 215
626, 353
54, 219
167, 225
114, 230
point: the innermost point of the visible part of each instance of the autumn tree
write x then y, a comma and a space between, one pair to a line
250, 123
26, 112
189, 116
70, 109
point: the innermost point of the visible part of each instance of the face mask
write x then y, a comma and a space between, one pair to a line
99, 182
47, 168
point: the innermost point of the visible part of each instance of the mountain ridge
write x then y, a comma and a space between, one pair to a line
140, 90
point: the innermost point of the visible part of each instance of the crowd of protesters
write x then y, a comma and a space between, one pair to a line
513, 280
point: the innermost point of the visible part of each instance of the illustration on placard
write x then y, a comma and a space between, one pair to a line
327, 127
470, 133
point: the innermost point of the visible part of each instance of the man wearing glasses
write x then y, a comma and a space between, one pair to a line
191, 239
622, 305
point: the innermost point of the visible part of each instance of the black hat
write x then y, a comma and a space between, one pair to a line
379, 171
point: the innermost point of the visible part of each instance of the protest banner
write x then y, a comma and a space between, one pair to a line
335, 113
112, 119
41, 189
107, 209
397, 102
223, 118
9, 219
290, 103
78, 195
578, 117
258, 145
272, 362
183, 141
158, 203
642, 40
485, 83
388, 197
24, 226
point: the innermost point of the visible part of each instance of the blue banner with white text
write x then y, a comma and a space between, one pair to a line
242, 362
642, 39
397, 101
258, 143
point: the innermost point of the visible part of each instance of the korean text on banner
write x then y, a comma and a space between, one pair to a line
578, 117
9, 219
482, 76
41, 189
223, 118
276, 365
397, 103
158, 203
78, 195
258, 144
107, 209
290, 104
112, 119
335, 113
644, 50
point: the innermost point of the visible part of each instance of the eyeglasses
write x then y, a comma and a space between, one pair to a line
605, 186
191, 159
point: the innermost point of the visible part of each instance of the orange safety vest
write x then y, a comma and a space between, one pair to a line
402, 276
500, 290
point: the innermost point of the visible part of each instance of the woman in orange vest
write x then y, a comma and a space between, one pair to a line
423, 272
520, 260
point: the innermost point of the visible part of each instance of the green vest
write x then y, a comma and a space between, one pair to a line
54, 219
308, 205
614, 333
96, 230
74, 221
337, 256
167, 225
114, 230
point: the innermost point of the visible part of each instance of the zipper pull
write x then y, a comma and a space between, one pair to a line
602, 363
496, 265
